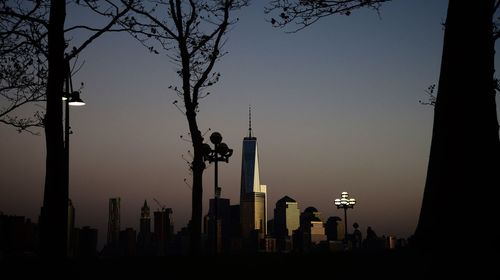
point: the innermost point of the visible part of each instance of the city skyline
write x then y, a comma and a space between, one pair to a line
336, 109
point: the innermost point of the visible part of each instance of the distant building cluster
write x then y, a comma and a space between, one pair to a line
227, 228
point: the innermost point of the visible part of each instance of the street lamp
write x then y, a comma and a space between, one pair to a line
70, 98
345, 202
220, 152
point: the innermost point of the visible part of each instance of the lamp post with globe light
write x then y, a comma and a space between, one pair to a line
345, 202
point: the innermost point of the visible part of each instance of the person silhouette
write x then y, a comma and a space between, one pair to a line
356, 237
370, 234
372, 241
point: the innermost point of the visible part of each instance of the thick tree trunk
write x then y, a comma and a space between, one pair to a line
464, 164
54, 216
198, 166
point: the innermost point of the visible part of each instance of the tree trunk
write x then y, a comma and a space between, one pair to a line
54, 216
464, 163
198, 166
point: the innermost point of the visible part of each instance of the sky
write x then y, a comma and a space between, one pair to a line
335, 107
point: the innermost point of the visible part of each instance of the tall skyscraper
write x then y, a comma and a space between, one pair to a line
114, 221
253, 195
145, 219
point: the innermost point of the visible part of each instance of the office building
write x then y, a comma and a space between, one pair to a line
286, 220
163, 229
253, 195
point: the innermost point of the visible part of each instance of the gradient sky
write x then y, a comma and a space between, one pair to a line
335, 108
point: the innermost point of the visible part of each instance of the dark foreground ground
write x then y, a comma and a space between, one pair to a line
401, 264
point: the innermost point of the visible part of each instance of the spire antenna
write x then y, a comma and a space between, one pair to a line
249, 121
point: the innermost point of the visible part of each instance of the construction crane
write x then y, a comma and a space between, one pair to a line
162, 207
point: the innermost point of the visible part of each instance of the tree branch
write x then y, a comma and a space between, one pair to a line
152, 18
303, 13
24, 17
106, 28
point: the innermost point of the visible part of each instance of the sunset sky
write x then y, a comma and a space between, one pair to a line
335, 108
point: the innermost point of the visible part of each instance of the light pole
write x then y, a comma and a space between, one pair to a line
70, 98
345, 202
221, 152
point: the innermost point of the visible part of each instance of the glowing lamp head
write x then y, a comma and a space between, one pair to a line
75, 99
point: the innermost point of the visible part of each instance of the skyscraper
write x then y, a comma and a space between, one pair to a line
145, 219
253, 195
114, 221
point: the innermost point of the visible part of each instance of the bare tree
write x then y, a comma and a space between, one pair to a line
35, 53
302, 13
193, 34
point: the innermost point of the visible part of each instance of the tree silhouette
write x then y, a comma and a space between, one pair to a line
35, 53
193, 34
464, 161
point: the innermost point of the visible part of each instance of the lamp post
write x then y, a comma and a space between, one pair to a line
220, 152
345, 202
70, 98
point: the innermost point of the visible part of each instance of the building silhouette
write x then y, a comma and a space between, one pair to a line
235, 216
253, 195
286, 220
220, 230
145, 242
312, 223
18, 236
163, 229
145, 222
332, 229
87, 242
114, 222
127, 244
311, 232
